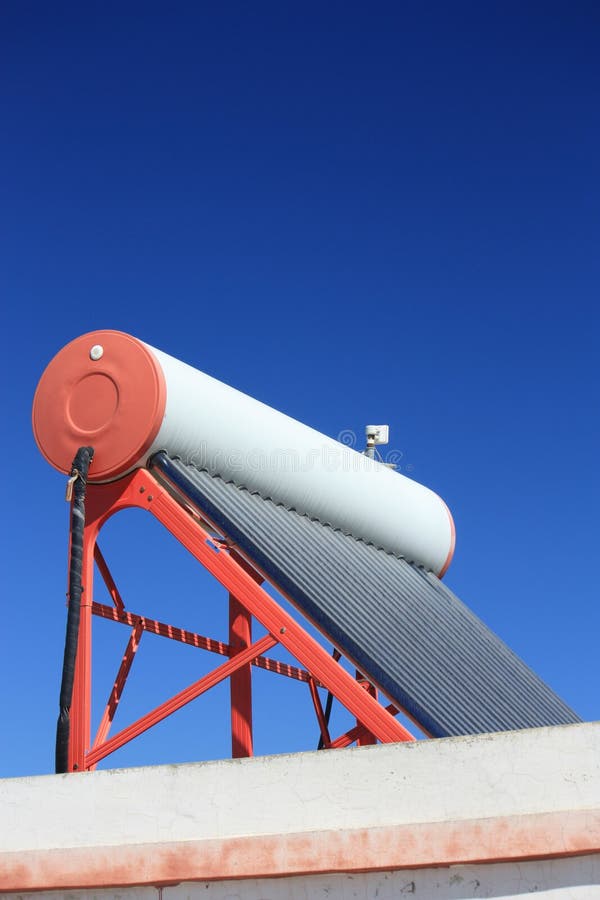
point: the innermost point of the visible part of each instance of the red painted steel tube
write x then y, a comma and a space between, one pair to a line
119, 685
172, 632
79, 740
325, 738
240, 682
366, 737
108, 579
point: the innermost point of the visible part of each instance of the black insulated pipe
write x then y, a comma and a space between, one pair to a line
76, 487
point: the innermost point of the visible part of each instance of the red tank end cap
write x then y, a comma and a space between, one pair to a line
448, 560
105, 390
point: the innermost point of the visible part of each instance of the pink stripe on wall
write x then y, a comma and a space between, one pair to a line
495, 839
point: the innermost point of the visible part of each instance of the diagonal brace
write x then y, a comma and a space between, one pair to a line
181, 699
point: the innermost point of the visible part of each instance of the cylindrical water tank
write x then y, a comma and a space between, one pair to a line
128, 400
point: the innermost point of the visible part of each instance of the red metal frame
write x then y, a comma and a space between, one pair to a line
247, 600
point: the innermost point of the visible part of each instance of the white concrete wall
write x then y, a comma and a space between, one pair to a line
504, 797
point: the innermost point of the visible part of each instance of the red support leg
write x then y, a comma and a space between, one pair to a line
81, 705
240, 682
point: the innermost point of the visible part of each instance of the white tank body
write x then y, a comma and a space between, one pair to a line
214, 426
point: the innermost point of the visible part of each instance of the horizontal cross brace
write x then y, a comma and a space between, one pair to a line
195, 640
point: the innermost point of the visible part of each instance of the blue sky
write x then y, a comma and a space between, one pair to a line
354, 213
